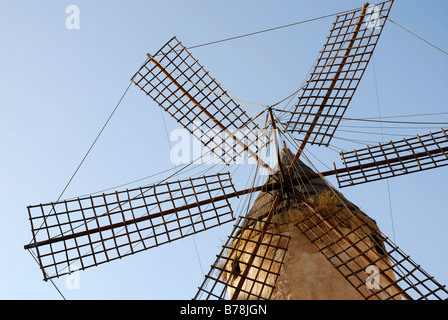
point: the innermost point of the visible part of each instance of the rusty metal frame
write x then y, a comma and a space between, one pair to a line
184, 89
394, 158
336, 75
92, 230
352, 250
248, 265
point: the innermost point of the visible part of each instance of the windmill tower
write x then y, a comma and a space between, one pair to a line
302, 239
286, 264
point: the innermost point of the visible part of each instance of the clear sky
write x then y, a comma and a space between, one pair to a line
58, 87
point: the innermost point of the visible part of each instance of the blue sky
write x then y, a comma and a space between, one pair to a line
58, 87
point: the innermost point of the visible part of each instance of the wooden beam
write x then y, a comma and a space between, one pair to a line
209, 115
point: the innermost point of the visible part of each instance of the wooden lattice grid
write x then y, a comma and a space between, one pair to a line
331, 84
183, 88
248, 265
92, 230
394, 159
369, 261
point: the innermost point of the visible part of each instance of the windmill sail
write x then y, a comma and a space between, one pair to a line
369, 261
92, 230
393, 159
248, 265
337, 73
181, 86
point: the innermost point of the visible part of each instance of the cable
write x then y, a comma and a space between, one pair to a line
382, 140
123, 185
382, 121
403, 122
255, 33
179, 75
268, 30
376, 133
94, 142
390, 127
85, 156
427, 42
408, 115
51, 280
358, 141
193, 235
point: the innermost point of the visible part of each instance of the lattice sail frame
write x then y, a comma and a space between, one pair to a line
394, 159
88, 231
343, 60
226, 278
369, 260
183, 88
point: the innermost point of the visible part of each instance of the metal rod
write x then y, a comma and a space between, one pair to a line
274, 127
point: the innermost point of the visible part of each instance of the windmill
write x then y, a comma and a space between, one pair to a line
93, 230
